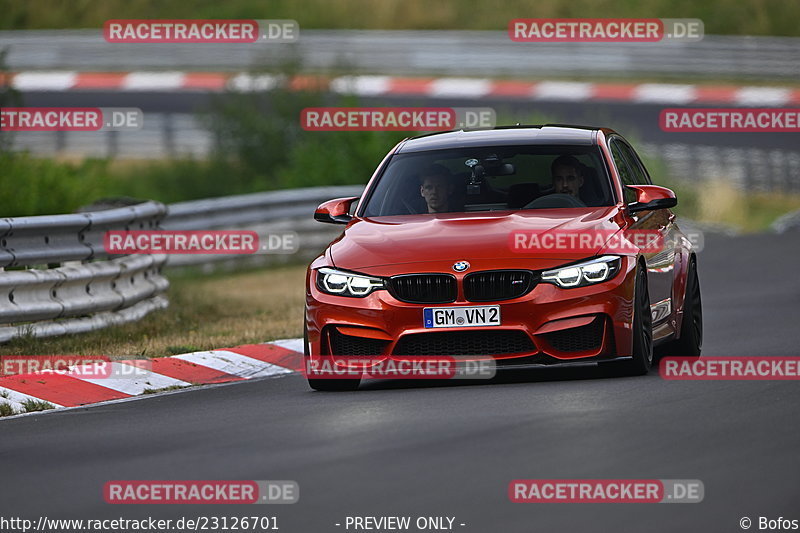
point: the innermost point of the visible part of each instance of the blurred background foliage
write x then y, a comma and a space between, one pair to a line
259, 142
725, 17
259, 146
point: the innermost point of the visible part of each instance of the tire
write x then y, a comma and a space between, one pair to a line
328, 385
642, 354
690, 343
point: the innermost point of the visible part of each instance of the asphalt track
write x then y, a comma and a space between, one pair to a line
399, 448
635, 120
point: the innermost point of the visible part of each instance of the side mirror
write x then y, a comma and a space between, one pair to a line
335, 211
651, 197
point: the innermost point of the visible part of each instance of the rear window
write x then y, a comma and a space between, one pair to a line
491, 178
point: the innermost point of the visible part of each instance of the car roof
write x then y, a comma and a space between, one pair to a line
506, 135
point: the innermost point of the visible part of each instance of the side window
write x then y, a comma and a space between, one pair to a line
640, 174
625, 172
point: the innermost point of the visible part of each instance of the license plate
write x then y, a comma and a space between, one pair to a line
457, 317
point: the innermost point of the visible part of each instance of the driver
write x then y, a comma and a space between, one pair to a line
567, 175
436, 187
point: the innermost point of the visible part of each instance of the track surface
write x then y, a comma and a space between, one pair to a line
403, 449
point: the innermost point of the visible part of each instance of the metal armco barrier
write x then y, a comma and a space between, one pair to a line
67, 288
265, 213
83, 297
415, 52
72, 286
43, 240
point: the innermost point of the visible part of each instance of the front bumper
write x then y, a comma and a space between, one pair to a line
549, 325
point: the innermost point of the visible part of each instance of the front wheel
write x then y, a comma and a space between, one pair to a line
691, 340
642, 355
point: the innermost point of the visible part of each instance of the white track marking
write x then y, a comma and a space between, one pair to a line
250, 83
296, 345
460, 87
16, 398
767, 96
361, 85
566, 90
127, 379
664, 93
234, 363
134, 380
153, 81
44, 81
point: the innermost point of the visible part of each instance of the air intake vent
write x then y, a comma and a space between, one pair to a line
494, 285
342, 344
424, 288
581, 339
455, 343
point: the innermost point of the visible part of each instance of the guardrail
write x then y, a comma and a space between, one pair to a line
266, 213
56, 278
409, 52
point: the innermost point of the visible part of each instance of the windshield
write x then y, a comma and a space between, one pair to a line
491, 178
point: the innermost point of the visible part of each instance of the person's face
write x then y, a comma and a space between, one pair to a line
567, 180
436, 191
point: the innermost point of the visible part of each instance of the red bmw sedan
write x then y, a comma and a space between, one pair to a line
525, 245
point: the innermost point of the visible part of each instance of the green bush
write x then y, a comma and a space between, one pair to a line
34, 186
260, 146
742, 17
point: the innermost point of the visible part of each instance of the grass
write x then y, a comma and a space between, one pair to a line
28, 406
31, 405
165, 389
762, 209
6, 409
718, 202
205, 313
743, 17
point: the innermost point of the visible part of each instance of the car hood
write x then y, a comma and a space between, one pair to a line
483, 239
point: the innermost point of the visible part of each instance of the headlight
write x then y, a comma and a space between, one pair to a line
342, 283
586, 273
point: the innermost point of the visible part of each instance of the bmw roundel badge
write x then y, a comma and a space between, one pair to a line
461, 266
